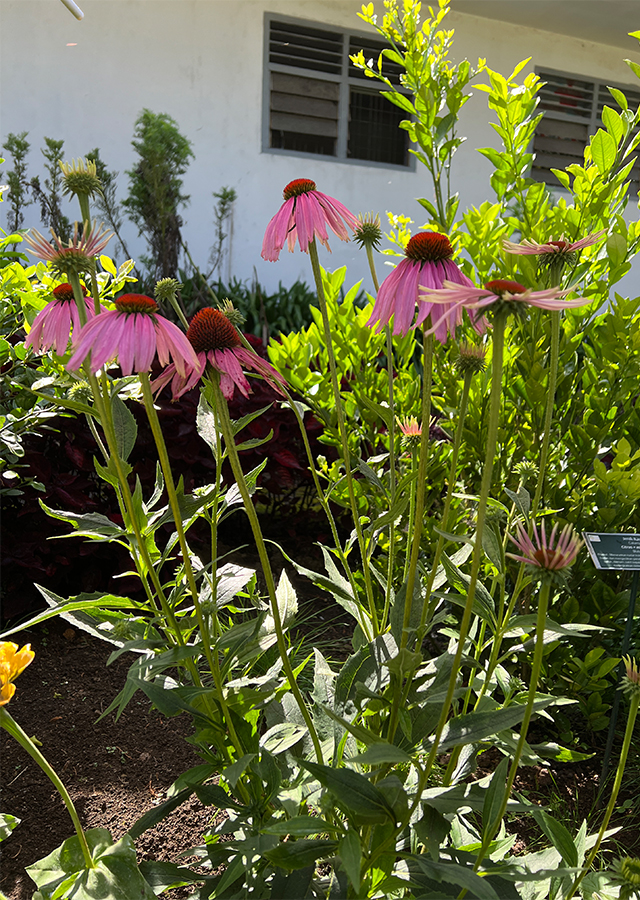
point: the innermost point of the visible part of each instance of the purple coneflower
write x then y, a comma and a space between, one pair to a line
215, 341
497, 293
304, 215
52, 326
132, 333
427, 264
76, 256
549, 554
551, 248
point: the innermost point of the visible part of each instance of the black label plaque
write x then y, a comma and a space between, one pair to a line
614, 551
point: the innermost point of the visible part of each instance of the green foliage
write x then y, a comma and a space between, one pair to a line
106, 202
155, 188
18, 146
50, 197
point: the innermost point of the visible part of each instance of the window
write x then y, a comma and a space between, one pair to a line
572, 113
317, 101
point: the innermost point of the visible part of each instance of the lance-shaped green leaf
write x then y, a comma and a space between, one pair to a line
350, 852
125, 427
299, 854
299, 826
477, 726
353, 792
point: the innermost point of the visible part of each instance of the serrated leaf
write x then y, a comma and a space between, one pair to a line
125, 427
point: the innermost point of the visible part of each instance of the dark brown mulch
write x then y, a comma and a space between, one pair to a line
114, 771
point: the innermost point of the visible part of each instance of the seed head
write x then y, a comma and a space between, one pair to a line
631, 678
80, 177
234, 315
368, 232
471, 358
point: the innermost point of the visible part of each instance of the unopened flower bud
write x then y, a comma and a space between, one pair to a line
80, 177
411, 431
234, 315
471, 358
81, 391
368, 232
631, 678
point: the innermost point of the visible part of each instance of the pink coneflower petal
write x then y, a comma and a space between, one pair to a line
531, 248
553, 554
501, 291
132, 334
216, 341
426, 267
54, 324
304, 216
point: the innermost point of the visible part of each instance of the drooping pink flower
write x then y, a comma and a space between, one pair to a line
304, 215
76, 256
52, 326
546, 553
215, 341
132, 334
495, 293
427, 264
557, 248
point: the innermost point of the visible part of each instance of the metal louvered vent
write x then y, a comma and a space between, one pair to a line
372, 51
572, 113
567, 95
305, 48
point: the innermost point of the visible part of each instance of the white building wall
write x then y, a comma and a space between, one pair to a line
201, 61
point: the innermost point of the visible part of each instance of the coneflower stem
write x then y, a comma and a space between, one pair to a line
392, 445
11, 726
492, 829
499, 325
416, 535
224, 421
626, 744
548, 416
74, 281
165, 464
317, 274
427, 608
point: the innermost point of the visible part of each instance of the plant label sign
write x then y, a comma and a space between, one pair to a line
614, 551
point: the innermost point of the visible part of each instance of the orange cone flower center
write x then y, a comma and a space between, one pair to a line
136, 303
502, 286
297, 187
64, 292
429, 246
211, 330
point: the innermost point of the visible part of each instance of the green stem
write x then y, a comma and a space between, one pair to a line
492, 830
392, 446
324, 503
499, 325
11, 726
427, 609
165, 464
416, 536
626, 744
412, 507
548, 417
317, 274
222, 412
74, 281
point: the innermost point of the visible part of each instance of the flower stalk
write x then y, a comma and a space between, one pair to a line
317, 274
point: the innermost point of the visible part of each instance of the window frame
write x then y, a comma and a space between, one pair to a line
345, 83
592, 124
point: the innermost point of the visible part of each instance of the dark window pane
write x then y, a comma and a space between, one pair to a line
374, 132
303, 143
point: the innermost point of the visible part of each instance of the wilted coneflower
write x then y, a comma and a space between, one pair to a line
52, 326
304, 216
551, 555
76, 256
427, 264
12, 663
215, 341
132, 334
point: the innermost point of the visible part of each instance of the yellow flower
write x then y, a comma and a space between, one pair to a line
12, 663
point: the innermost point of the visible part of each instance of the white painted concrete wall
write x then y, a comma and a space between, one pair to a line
201, 61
